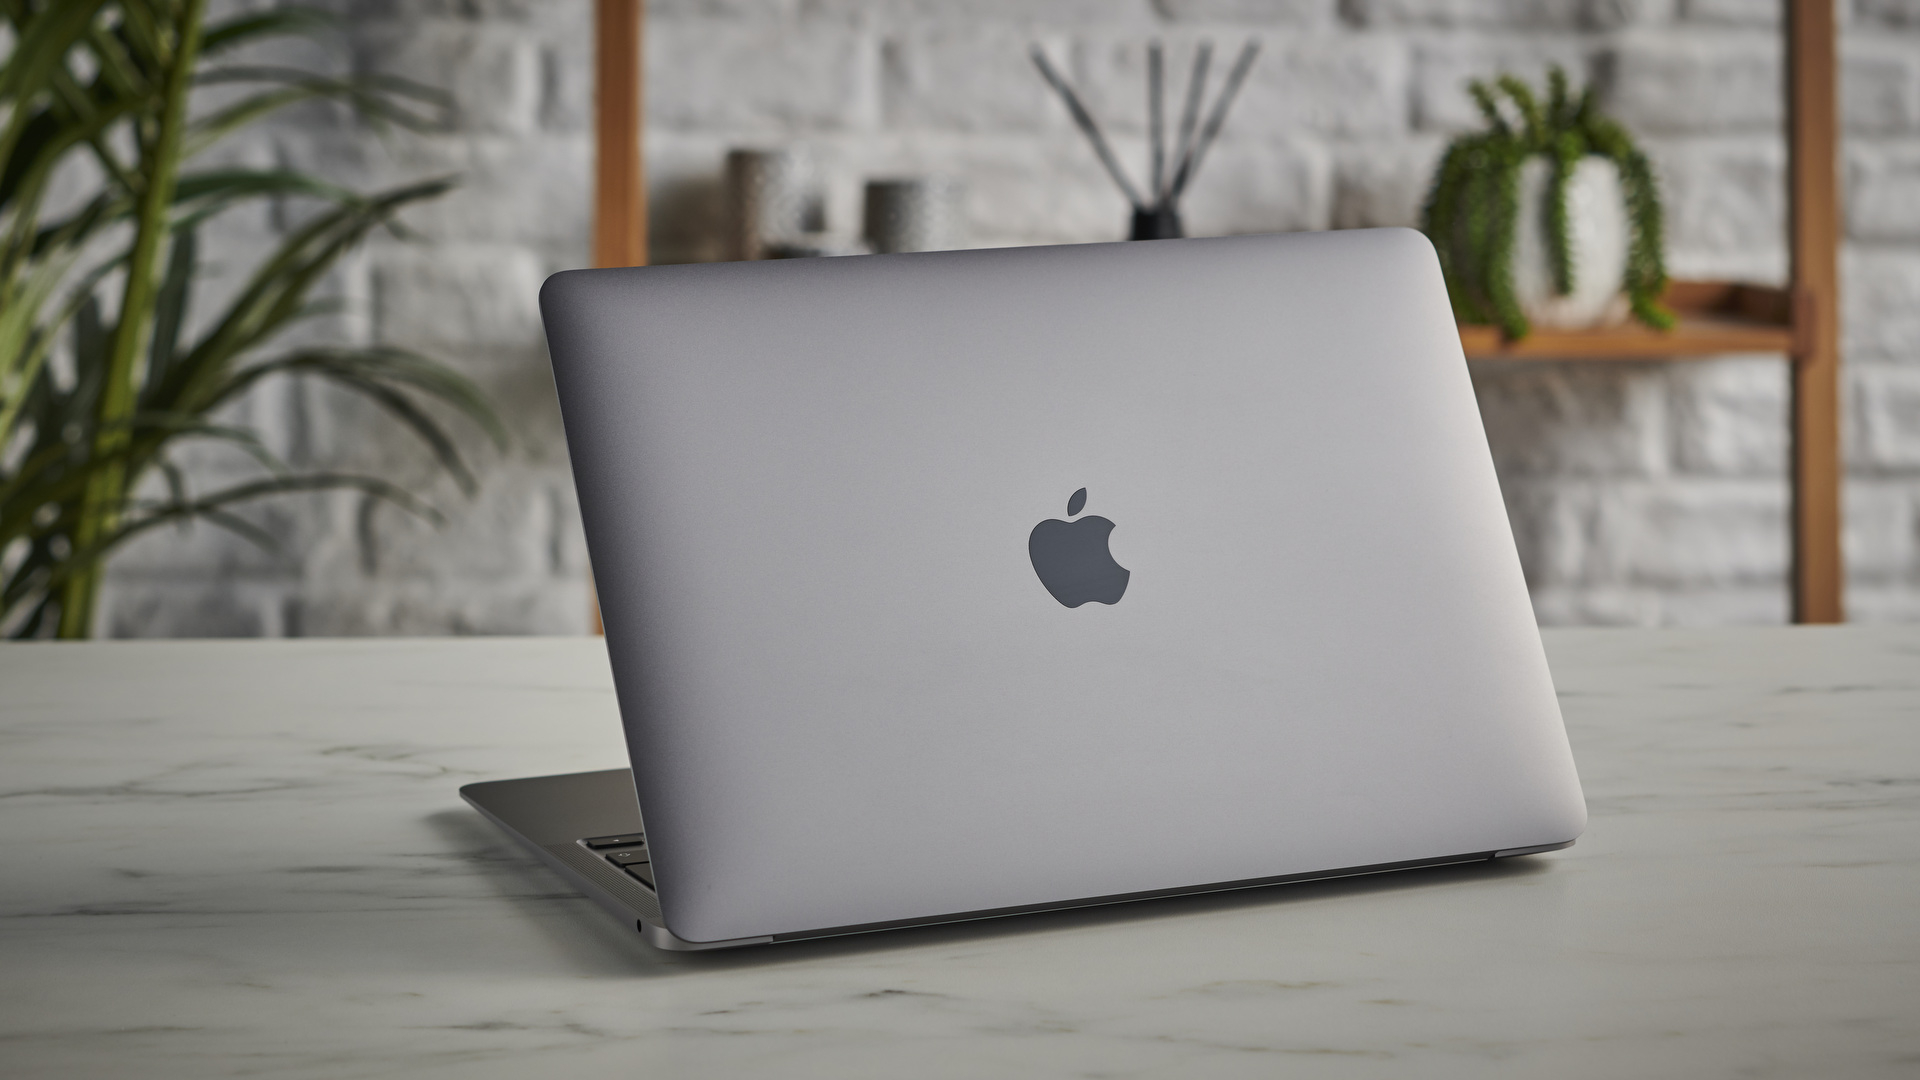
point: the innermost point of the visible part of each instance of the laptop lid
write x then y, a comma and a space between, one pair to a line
958, 581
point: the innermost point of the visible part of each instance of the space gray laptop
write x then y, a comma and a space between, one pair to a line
962, 584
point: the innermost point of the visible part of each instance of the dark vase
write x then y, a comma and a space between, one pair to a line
1160, 222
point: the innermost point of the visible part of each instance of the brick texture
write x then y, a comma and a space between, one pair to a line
1639, 493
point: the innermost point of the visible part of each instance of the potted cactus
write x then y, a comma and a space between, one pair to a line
1548, 216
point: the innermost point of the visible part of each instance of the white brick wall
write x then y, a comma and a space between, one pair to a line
1640, 493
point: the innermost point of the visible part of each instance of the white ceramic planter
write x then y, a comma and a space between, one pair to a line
1599, 234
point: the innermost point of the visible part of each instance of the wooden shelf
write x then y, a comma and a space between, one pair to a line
1716, 317
1802, 321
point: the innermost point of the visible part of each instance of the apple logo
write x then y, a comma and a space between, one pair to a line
1072, 559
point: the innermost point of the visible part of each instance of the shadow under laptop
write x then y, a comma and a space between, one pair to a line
586, 933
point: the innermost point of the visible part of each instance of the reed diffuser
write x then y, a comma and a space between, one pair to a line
1156, 216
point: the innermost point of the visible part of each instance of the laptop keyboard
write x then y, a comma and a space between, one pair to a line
627, 852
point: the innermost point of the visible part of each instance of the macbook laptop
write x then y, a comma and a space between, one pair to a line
964, 584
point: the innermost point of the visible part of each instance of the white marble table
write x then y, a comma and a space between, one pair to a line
226, 859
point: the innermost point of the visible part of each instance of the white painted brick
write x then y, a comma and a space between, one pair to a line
1109, 71
1254, 187
1604, 536
1765, 604
1139, 13
1691, 535
661, 11
1694, 82
1883, 603
520, 385
1729, 417
188, 609
452, 607
780, 78
1732, 12
560, 20
1761, 266
416, 10
1883, 191
339, 422
1722, 194
335, 556
344, 156
1883, 531
443, 296
967, 78
507, 530
1553, 528
1574, 419
206, 552
312, 115
493, 72
1885, 401
1493, 14
1614, 551
322, 52
1276, 12
231, 249
1629, 605
496, 536
1383, 184
72, 184
566, 84
1896, 13
1333, 83
1880, 295
1442, 69
281, 411
1068, 199
534, 190
1879, 86
1590, 606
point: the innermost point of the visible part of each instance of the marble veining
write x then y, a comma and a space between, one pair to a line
248, 859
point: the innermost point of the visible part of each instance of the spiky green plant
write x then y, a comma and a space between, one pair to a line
1472, 210
106, 87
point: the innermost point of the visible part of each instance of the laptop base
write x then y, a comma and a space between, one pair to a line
562, 818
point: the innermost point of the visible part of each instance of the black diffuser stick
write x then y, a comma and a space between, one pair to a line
1087, 127
1156, 121
1189, 113
1218, 117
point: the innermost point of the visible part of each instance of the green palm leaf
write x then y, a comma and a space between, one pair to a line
86, 464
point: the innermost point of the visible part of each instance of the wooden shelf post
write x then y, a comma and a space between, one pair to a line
619, 185
1813, 122
619, 176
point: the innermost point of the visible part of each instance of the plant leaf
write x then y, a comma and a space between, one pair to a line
40, 49
102, 78
378, 100
385, 363
170, 304
280, 22
275, 295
